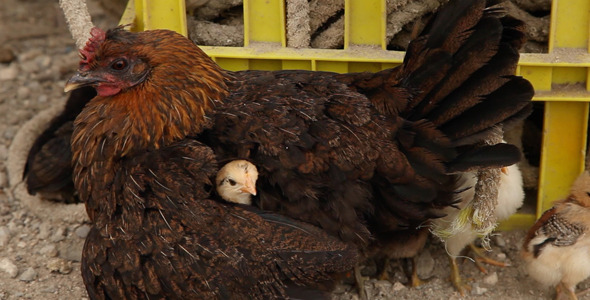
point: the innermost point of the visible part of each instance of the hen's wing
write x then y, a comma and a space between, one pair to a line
48, 168
312, 158
169, 239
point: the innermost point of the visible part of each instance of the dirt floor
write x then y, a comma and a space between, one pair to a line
40, 246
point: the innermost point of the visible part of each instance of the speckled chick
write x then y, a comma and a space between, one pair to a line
556, 249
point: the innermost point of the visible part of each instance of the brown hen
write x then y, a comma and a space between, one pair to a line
356, 155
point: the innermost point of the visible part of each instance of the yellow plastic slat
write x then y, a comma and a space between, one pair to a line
265, 64
564, 150
569, 75
264, 21
566, 112
269, 52
365, 23
517, 221
160, 14
296, 65
569, 24
364, 67
128, 16
332, 66
540, 77
233, 64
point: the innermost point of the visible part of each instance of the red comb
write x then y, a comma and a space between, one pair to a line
88, 52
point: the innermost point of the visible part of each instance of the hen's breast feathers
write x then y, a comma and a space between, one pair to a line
167, 234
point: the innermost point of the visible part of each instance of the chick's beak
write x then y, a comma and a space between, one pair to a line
249, 187
80, 80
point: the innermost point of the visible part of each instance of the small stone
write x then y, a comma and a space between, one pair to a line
49, 250
500, 241
29, 55
4, 236
3, 179
45, 230
23, 92
42, 98
71, 251
8, 266
48, 290
398, 286
501, 256
28, 275
82, 231
9, 132
3, 152
425, 264
44, 61
9, 73
382, 284
58, 235
491, 279
6, 55
339, 289
28, 67
477, 290
59, 265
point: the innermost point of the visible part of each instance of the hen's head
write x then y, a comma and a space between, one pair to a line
117, 60
154, 88
236, 181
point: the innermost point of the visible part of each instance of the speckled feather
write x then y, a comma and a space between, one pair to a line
554, 230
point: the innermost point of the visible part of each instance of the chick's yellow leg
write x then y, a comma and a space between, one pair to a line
384, 274
415, 281
568, 292
480, 258
360, 283
456, 277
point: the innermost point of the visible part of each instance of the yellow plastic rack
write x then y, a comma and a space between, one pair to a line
560, 77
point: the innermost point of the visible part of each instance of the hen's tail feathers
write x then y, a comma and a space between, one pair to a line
494, 156
455, 90
459, 76
48, 168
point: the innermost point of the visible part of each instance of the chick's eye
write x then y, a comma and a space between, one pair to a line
232, 182
119, 64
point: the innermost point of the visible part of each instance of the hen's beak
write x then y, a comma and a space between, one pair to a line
79, 80
249, 187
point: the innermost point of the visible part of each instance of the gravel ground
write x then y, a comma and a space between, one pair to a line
40, 255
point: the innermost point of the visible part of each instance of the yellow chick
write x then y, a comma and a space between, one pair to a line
236, 181
510, 198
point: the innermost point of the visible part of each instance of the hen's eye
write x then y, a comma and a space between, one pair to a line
232, 182
119, 64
